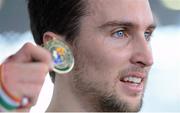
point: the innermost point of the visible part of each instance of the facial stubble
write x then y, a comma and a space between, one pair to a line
99, 101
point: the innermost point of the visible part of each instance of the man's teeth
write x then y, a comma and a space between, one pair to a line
136, 80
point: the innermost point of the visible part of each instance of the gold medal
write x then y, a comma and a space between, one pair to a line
62, 56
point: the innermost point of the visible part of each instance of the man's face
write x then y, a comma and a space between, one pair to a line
113, 55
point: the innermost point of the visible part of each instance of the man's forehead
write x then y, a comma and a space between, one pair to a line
131, 11
101, 3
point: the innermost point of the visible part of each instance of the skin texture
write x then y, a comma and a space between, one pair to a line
114, 42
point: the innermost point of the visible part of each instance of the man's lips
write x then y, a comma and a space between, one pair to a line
133, 77
133, 82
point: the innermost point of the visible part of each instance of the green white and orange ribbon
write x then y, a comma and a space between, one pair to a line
8, 101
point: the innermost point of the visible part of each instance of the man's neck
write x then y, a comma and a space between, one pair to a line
64, 100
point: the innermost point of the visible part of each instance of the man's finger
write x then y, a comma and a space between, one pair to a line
27, 72
29, 53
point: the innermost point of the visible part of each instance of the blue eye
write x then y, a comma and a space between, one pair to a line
147, 35
119, 34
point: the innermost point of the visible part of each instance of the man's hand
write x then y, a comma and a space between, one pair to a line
24, 72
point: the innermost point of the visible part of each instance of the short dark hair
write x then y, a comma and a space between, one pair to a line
59, 16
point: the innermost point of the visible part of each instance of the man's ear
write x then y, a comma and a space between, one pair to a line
51, 36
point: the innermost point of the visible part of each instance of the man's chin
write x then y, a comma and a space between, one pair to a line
111, 104
136, 106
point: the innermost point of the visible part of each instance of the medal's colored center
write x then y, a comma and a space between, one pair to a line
60, 51
58, 54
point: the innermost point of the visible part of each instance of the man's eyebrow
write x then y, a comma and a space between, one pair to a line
152, 26
116, 23
123, 23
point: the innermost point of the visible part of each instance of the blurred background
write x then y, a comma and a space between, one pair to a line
163, 90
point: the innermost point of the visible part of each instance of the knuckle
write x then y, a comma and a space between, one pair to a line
28, 45
11, 58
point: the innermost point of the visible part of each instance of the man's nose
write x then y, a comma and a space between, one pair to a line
142, 54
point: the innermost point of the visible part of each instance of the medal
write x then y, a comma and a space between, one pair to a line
62, 56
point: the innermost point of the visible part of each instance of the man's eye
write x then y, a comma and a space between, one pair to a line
148, 35
119, 34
